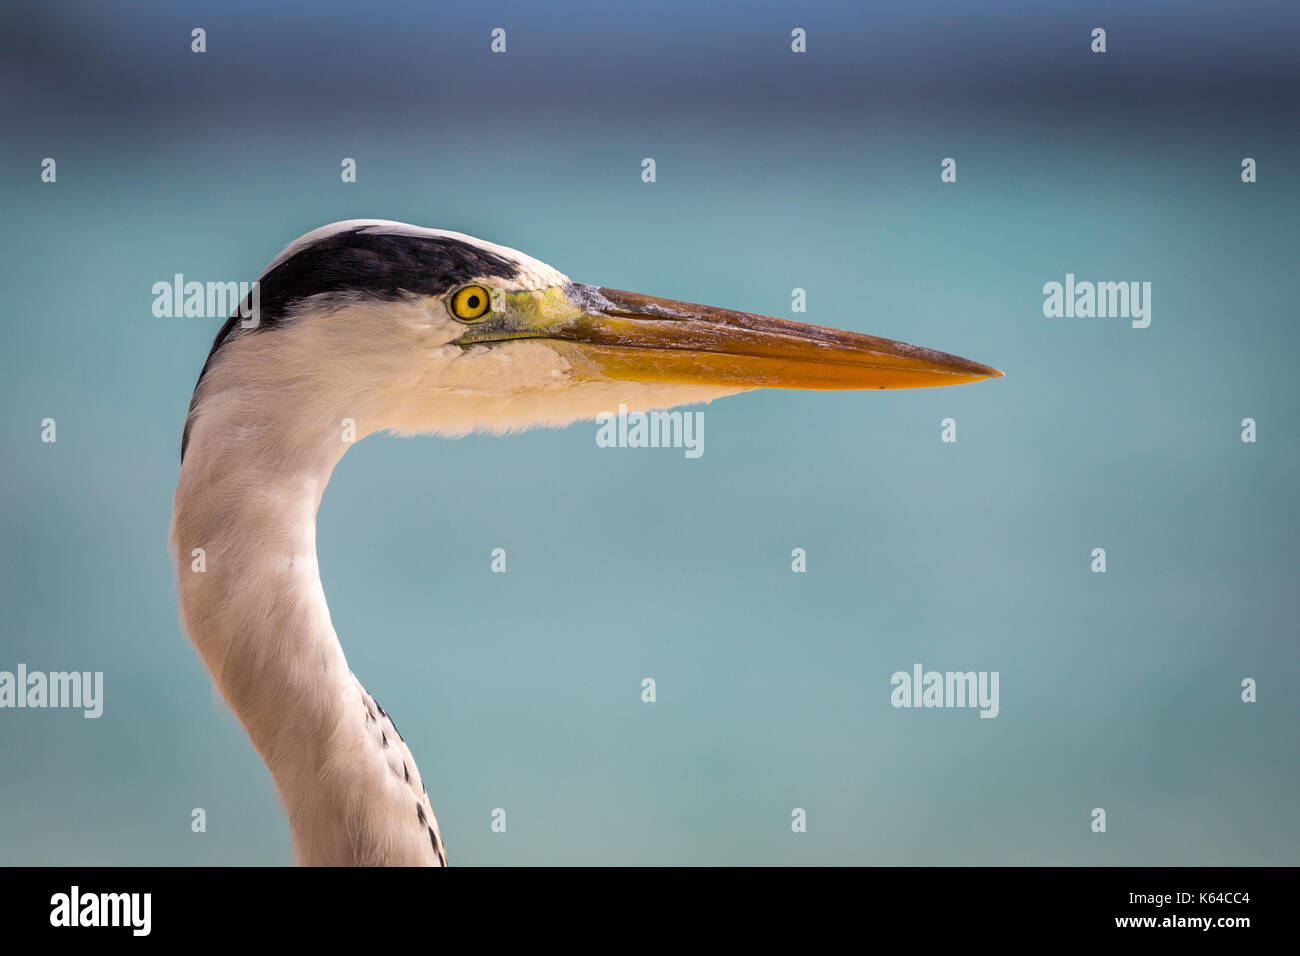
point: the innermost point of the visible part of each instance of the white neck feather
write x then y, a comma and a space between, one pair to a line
248, 493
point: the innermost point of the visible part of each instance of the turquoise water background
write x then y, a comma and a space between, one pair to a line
523, 691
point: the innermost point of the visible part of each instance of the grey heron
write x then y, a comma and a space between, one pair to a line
398, 328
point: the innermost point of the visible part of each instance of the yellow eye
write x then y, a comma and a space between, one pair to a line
470, 303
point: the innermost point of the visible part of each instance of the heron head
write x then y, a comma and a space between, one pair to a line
428, 330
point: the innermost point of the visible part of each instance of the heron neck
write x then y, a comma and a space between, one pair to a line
244, 540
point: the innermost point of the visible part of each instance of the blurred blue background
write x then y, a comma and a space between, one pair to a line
820, 171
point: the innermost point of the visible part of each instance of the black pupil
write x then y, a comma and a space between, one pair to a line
472, 301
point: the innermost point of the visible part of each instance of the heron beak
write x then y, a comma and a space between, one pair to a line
634, 337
